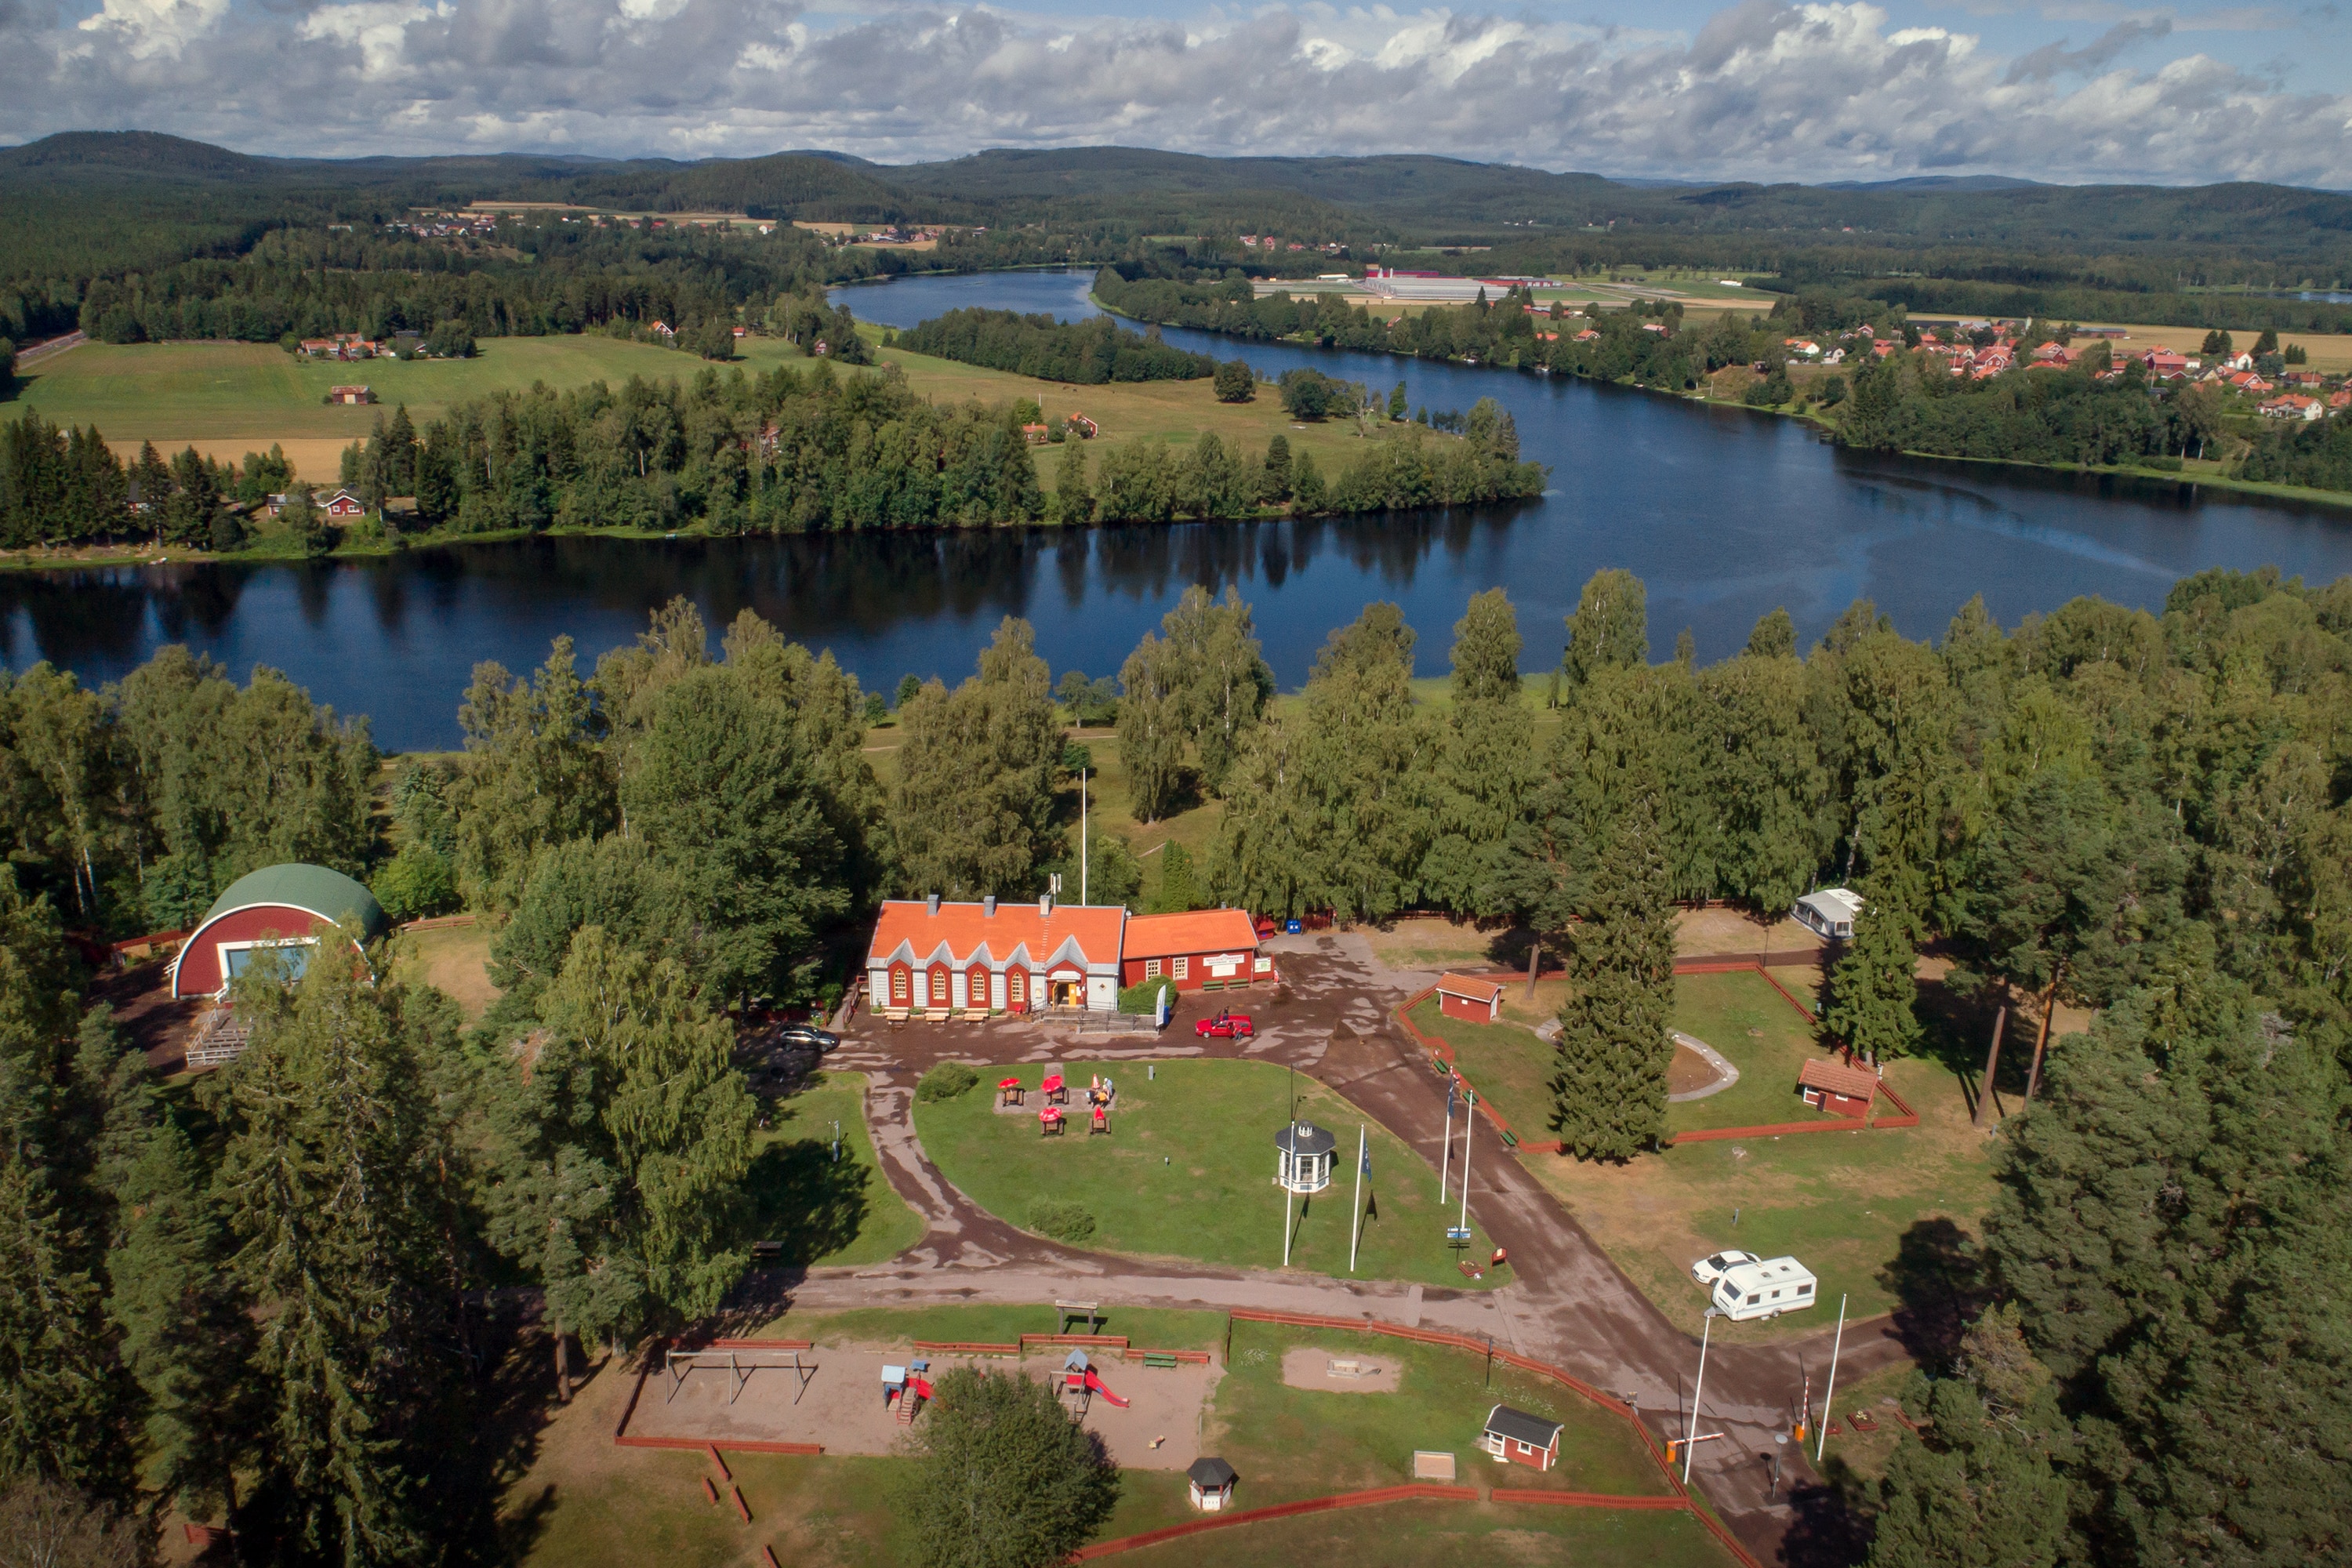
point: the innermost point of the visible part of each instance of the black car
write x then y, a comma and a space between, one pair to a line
807, 1037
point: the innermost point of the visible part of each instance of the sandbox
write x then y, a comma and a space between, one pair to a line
1306, 1366
842, 1406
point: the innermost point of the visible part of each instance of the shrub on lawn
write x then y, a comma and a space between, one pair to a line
1140, 998
1061, 1220
946, 1082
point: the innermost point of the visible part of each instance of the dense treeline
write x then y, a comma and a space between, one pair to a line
1910, 402
1089, 352
788, 450
2318, 455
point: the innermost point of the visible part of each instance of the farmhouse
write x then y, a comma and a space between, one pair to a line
939, 960
1464, 997
1205, 950
1514, 1436
278, 908
1841, 1090
352, 395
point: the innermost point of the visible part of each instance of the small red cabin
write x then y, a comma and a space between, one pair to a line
1461, 997
1836, 1088
1514, 1436
280, 909
1201, 949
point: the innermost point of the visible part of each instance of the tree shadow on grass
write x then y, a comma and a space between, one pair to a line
805, 1201
1939, 1281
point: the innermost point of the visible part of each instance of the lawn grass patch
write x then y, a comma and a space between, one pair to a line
1290, 1443
1152, 1328
1756, 1030
1509, 1068
453, 960
1188, 1172
1447, 1535
823, 1210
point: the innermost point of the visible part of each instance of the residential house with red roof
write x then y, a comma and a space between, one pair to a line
937, 959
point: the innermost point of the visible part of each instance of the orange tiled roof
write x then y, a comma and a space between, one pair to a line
964, 929
1482, 991
1855, 1083
1198, 930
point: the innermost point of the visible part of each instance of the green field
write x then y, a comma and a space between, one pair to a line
1220, 1206
823, 1210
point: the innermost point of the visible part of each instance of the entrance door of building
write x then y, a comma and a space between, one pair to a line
1065, 991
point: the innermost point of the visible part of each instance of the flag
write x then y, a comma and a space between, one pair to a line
1368, 1162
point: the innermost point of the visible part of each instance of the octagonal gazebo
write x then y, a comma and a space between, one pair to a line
1303, 1157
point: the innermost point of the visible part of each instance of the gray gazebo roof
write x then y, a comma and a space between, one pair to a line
1305, 1140
1209, 1471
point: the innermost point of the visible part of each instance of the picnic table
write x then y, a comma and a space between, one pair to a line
1055, 1092
1049, 1121
1010, 1090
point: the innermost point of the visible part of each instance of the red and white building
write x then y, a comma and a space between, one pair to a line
1470, 998
281, 910
1835, 1087
937, 959
1515, 1437
1212, 950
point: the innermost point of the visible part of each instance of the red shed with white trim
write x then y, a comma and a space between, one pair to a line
1464, 997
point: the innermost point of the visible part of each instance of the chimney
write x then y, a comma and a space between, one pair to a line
988, 904
1045, 903
933, 901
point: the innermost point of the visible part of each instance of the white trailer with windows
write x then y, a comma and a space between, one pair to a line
1764, 1289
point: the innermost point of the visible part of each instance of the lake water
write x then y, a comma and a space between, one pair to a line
1724, 514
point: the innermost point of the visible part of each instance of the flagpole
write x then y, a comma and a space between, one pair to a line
1446, 1160
1082, 836
1469, 1115
1690, 1433
1356, 1221
1829, 1392
1285, 1212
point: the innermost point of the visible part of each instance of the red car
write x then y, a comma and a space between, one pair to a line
1224, 1026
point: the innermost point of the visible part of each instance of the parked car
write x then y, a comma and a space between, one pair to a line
1763, 1289
1709, 1269
808, 1037
1224, 1026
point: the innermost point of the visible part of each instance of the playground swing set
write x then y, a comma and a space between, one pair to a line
739, 1366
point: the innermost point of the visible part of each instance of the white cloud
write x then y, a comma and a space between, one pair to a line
1761, 91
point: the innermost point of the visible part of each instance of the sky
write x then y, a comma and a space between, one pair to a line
2064, 90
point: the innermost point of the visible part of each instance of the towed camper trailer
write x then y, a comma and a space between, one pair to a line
1765, 1289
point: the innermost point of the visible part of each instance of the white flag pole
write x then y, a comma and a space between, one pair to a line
1082, 836
1690, 1433
1445, 1159
1469, 1115
1355, 1220
1830, 1391
1285, 1211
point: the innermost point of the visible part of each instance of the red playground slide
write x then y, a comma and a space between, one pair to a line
1095, 1386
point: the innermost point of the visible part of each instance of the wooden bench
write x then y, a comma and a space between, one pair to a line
1160, 1359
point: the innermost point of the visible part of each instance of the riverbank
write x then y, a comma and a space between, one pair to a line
2195, 474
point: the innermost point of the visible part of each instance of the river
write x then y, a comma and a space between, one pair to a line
1723, 514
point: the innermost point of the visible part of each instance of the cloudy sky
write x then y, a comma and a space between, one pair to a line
2053, 89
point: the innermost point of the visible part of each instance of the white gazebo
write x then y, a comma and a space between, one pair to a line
1303, 1160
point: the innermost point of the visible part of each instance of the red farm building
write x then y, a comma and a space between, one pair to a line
281, 908
1202, 950
937, 959
1464, 996
1838, 1090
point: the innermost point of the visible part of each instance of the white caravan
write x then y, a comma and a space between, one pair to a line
1764, 1289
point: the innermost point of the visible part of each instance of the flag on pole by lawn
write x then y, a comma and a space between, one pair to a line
1368, 1162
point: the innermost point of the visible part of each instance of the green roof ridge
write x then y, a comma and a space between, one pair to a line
317, 888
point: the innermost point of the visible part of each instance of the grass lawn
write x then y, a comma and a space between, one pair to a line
1446, 1536
823, 1210
451, 959
1874, 1213
227, 399
1153, 1328
1221, 1206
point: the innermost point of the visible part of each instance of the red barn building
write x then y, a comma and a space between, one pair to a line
281, 908
1212, 949
1842, 1090
936, 959
1514, 1436
1463, 996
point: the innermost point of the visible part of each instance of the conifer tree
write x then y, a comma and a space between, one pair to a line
1073, 502
1609, 1091
330, 1181
1873, 1004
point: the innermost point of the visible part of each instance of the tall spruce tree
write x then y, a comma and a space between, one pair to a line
1873, 1006
331, 1179
1609, 1088
1483, 765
